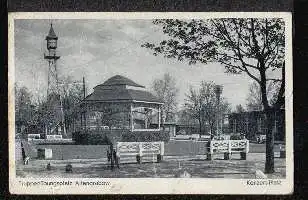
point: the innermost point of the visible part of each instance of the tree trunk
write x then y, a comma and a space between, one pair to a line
200, 124
111, 156
269, 163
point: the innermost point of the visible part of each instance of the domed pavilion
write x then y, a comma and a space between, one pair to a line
120, 103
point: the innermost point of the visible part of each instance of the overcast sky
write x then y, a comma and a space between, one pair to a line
99, 49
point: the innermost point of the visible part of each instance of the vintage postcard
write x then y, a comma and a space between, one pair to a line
150, 103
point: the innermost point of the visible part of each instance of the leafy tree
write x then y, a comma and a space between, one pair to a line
247, 46
165, 89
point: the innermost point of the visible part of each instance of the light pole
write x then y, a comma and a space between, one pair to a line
218, 91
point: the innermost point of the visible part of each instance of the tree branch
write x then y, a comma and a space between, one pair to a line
280, 97
274, 79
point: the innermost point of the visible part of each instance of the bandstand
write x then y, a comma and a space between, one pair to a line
120, 112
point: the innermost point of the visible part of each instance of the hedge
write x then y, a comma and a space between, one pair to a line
146, 136
111, 136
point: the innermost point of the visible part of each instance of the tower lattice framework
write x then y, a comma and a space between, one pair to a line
54, 112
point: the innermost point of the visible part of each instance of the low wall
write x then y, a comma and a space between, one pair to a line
60, 152
69, 151
185, 148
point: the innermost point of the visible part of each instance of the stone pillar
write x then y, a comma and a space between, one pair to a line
209, 156
243, 155
139, 156
138, 159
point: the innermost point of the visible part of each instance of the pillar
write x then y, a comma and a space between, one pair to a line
81, 124
243, 155
131, 118
159, 117
85, 119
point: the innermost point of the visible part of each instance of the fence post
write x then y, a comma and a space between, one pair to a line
118, 152
139, 156
162, 148
209, 154
282, 152
161, 152
243, 154
228, 154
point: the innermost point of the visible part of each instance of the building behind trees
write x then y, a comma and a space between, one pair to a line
253, 123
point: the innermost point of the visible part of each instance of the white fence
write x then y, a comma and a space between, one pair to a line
186, 137
228, 147
32, 137
53, 137
140, 149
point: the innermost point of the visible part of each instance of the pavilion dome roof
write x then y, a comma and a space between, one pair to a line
120, 80
110, 91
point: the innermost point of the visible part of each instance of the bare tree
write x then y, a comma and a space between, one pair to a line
239, 108
184, 117
165, 89
71, 94
254, 98
247, 46
24, 109
202, 106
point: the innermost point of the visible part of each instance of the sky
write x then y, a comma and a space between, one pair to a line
100, 49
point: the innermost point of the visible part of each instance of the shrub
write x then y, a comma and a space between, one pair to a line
89, 138
236, 137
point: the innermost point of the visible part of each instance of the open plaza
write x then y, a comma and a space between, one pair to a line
123, 129
182, 159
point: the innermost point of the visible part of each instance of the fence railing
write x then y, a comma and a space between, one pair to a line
228, 147
140, 149
53, 137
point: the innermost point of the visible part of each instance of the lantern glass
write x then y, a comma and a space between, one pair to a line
51, 43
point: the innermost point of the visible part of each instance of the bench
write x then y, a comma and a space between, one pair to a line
139, 149
227, 147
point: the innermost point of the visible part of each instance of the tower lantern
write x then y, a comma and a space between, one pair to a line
52, 39
52, 58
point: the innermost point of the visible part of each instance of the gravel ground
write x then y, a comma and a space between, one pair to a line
172, 166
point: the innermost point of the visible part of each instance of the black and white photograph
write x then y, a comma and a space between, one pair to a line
128, 103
